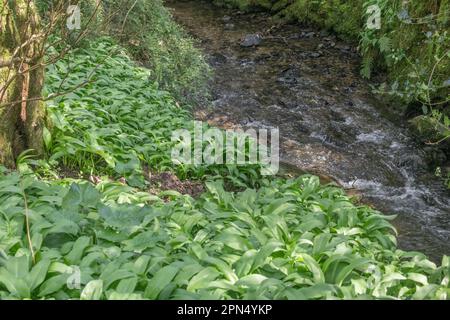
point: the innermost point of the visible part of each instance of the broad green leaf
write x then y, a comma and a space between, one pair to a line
53, 284
346, 271
203, 279
38, 274
74, 256
159, 281
16, 286
251, 280
127, 286
92, 291
314, 267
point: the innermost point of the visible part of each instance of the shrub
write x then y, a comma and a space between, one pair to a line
149, 33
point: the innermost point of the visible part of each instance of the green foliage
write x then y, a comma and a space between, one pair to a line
444, 176
119, 120
113, 123
147, 30
324, 14
288, 240
245, 4
413, 44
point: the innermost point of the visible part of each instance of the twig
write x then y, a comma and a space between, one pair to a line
27, 223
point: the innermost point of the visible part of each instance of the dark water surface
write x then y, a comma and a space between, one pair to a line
307, 83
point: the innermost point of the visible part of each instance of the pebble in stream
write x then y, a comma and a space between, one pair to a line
251, 40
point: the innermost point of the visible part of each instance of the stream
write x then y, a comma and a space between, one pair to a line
306, 83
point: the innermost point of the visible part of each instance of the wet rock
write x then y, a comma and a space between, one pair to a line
229, 26
262, 57
310, 34
286, 102
411, 160
251, 40
347, 90
250, 103
336, 115
344, 48
226, 18
248, 120
289, 76
246, 63
302, 128
315, 54
339, 134
217, 58
324, 33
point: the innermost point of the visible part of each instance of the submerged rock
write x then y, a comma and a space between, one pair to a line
289, 76
315, 54
229, 26
251, 40
344, 48
217, 58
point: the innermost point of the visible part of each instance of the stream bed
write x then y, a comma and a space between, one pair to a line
306, 83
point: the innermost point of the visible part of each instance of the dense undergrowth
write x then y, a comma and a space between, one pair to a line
113, 123
286, 239
152, 38
174, 63
119, 120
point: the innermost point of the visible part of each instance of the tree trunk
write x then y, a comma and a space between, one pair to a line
22, 111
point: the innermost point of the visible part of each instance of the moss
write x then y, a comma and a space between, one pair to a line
428, 128
17, 134
324, 14
6, 113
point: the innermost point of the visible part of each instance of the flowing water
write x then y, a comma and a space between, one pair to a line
306, 83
